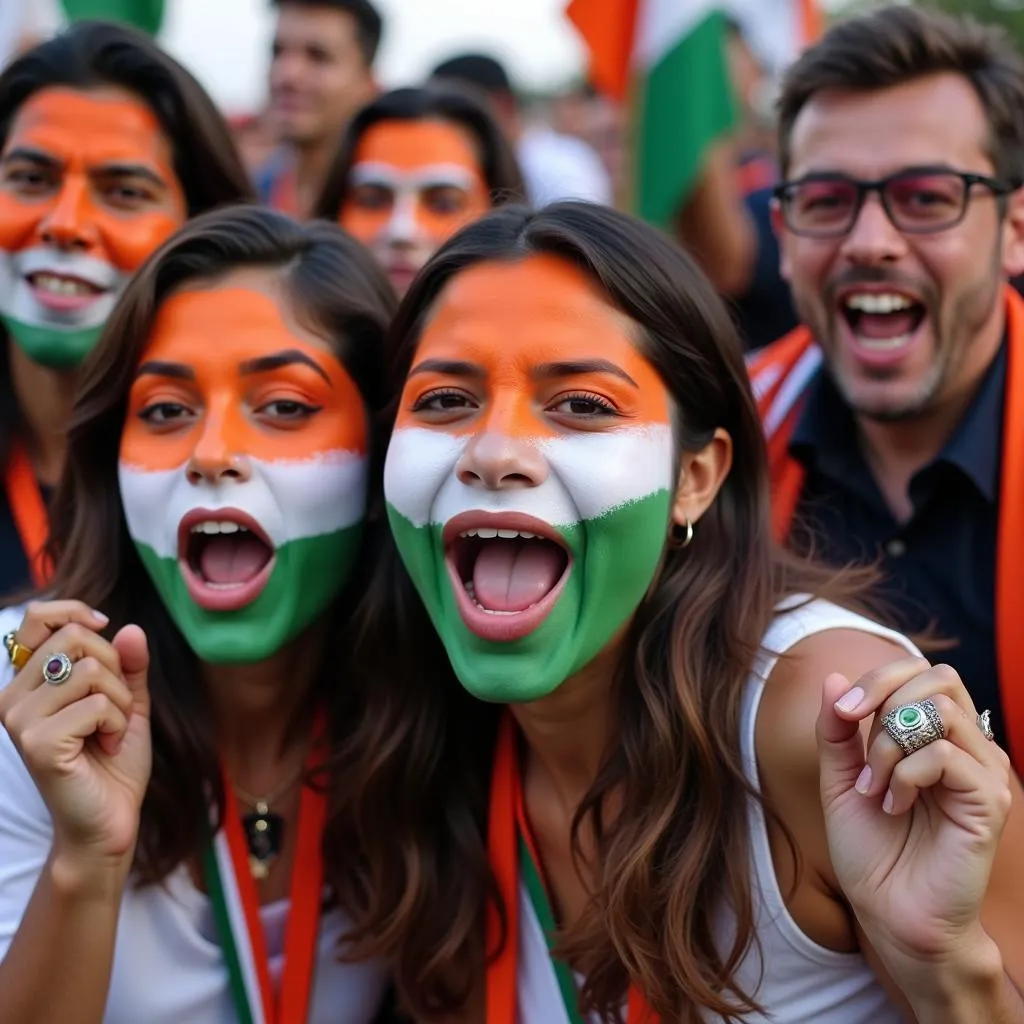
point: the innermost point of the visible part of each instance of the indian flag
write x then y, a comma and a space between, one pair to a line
243, 565
527, 584
147, 15
668, 57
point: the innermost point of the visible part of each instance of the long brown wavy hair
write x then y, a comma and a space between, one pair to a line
337, 291
416, 787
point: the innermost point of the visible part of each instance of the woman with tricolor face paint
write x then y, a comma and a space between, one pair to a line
610, 743
107, 146
173, 840
414, 166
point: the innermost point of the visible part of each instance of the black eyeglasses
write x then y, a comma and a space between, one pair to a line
918, 200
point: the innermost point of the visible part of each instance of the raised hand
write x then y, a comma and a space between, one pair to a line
912, 836
86, 740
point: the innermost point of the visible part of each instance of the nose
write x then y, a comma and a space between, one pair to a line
874, 238
403, 228
68, 225
500, 462
214, 458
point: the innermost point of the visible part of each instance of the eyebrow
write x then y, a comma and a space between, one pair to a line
154, 368
116, 170
575, 368
428, 176
450, 367
290, 357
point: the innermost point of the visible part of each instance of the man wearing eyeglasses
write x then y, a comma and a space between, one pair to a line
895, 415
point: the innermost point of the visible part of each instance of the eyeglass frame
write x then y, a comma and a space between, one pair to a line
783, 191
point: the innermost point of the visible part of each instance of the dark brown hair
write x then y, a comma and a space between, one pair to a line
90, 54
337, 291
435, 102
417, 785
895, 45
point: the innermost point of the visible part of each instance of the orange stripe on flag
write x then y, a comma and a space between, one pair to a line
608, 28
812, 24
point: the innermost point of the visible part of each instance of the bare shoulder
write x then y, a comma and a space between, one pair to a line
786, 747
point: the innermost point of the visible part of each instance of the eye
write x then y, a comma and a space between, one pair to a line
444, 199
30, 180
163, 414
288, 409
442, 400
127, 195
584, 405
372, 197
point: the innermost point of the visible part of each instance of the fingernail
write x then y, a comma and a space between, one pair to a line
887, 802
850, 699
100, 617
863, 783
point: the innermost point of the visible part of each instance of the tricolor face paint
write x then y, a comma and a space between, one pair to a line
413, 185
87, 192
243, 471
530, 477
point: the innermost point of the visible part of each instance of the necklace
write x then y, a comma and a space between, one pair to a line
264, 830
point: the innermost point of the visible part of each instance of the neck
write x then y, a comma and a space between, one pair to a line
44, 399
569, 732
264, 712
311, 162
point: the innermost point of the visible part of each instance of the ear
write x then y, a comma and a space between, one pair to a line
701, 476
1013, 234
781, 236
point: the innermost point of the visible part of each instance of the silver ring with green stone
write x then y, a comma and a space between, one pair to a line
913, 726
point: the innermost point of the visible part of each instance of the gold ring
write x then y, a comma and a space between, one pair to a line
17, 653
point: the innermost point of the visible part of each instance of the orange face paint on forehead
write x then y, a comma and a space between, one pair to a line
230, 352
94, 164
524, 333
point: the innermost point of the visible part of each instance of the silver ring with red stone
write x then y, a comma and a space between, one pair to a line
58, 669
913, 726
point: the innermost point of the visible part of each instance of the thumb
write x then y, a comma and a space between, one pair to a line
840, 747
130, 643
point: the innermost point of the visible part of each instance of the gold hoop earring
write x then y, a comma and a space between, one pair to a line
677, 541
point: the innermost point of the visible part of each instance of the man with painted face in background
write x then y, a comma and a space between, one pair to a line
896, 415
107, 146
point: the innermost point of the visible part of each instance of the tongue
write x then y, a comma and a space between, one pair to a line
510, 575
235, 558
884, 326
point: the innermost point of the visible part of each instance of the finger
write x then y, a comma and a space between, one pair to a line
840, 747
884, 753
944, 764
888, 686
44, 618
77, 642
87, 676
133, 649
52, 743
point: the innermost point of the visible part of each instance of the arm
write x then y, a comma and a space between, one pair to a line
970, 977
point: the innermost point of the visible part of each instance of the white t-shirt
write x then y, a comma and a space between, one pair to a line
168, 965
559, 166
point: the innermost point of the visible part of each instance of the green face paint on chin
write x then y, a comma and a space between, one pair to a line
614, 560
52, 348
308, 574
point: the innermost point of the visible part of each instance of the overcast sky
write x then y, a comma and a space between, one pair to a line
225, 43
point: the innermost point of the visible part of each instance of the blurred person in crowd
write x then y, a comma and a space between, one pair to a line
555, 166
107, 146
895, 415
254, 139
321, 73
601, 123
413, 167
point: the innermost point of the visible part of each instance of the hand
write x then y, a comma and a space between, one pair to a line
86, 742
912, 838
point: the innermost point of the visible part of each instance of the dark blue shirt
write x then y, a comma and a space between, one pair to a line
14, 571
940, 565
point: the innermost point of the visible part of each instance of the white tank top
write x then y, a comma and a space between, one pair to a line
798, 982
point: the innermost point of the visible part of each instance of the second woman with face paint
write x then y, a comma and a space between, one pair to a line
167, 805
414, 166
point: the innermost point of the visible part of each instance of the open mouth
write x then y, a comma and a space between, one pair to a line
61, 292
225, 558
507, 571
882, 323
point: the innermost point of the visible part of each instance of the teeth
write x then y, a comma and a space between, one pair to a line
212, 526
471, 590
486, 534
61, 285
883, 344
866, 302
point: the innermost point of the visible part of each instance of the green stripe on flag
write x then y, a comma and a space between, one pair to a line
147, 15
684, 103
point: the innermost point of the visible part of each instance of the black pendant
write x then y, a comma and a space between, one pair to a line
264, 833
